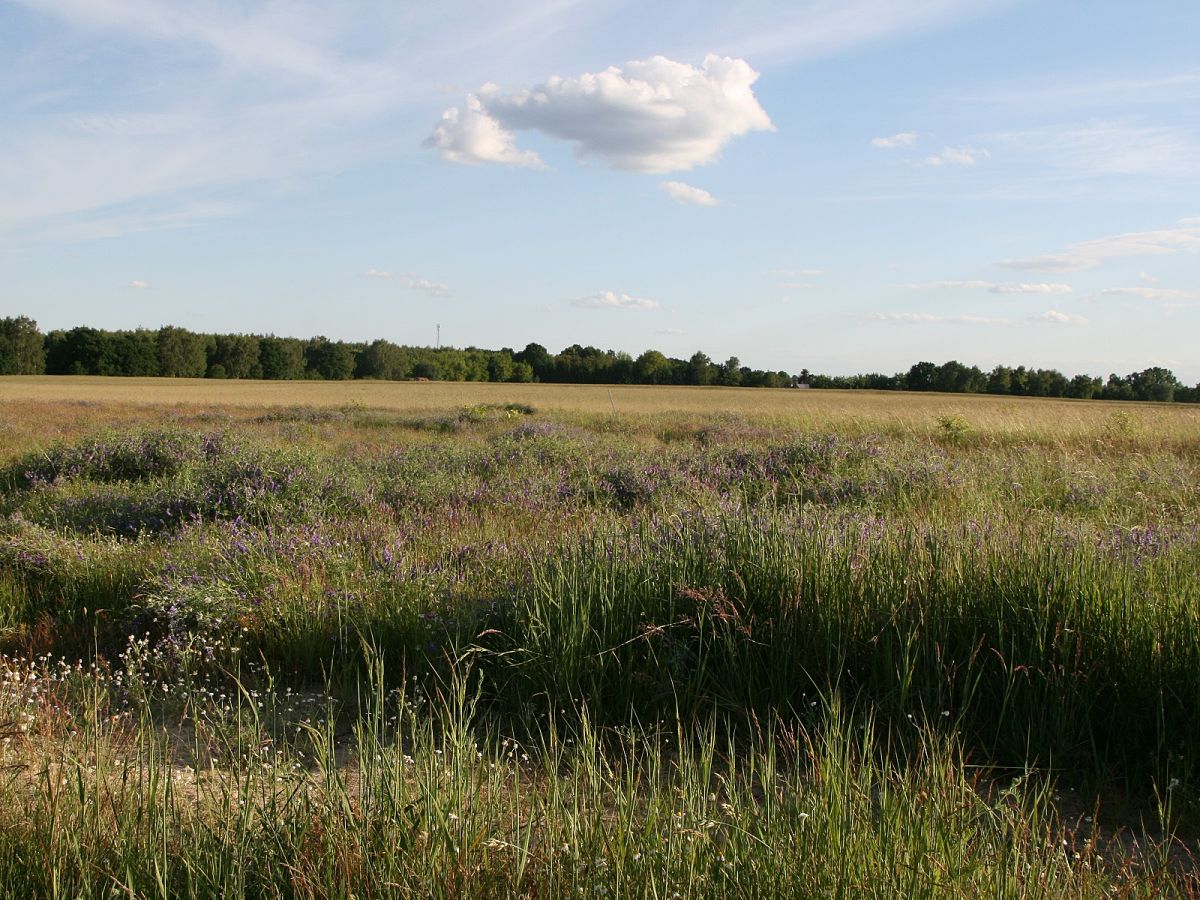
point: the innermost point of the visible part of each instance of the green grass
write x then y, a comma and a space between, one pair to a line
498, 651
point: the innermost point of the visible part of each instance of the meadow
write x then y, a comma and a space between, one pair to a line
374, 639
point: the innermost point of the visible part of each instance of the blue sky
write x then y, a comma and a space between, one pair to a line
839, 186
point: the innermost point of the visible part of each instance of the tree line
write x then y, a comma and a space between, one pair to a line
1154, 383
177, 352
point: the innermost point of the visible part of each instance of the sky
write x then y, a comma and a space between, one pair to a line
838, 185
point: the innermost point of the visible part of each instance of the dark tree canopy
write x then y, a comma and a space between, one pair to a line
177, 352
22, 351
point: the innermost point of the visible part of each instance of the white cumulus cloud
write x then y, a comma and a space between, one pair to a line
139, 284
655, 115
467, 134
687, 194
903, 139
613, 300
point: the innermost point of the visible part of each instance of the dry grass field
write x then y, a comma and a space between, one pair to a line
32, 407
304, 639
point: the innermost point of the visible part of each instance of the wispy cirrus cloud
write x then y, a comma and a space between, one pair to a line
1057, 91
224, 95
1115, 147
903, 139
993, 287
686, 194
1051, 317
1054, 317
410, 281
613, 300
907, 318
1089, 254
1146, 293
425, 286
787, 32
957, 156
654, 115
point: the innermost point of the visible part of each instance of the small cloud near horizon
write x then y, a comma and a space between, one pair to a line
613, 300
1051, 317
410, 281
957, 156
686, 194
903, 139
140, 284
993, 287
1146, 293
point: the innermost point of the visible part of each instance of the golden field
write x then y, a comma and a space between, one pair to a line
33, 407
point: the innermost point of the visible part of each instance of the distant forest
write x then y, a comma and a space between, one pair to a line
177, 352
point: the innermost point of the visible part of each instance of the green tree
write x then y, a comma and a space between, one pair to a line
730, 373
922, 377
330, 360
136, 352
22, 347
500, 366
425, 368
182, 353
80, 351
521, 372
700, 369
999, 380
954, 377
1117, 388
238, 355
1084, 387
539, 360
652, 368
384, 360
1155, 383
282, 359
1047, 383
